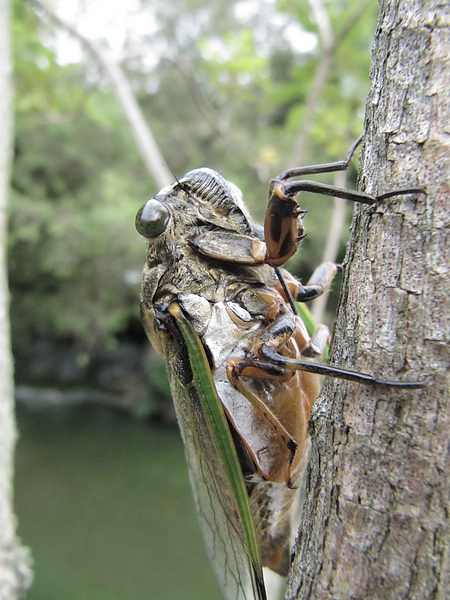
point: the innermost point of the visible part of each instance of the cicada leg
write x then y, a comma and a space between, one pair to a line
269, 353
318, 283
287, 334
283, 226
260, 370
268, 347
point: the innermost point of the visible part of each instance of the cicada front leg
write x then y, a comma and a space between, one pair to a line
319, 282
283, 226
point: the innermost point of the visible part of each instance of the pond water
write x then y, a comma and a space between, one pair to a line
103, 500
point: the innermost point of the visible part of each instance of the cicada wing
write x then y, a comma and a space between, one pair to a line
216, 509
217, 482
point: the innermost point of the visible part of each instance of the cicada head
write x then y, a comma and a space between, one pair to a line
201, 200
176, 223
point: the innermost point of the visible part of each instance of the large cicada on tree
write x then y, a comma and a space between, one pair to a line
217, 304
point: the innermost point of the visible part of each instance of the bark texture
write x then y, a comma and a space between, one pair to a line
15, 575
376, 522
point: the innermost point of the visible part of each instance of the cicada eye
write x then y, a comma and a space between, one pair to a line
152, 219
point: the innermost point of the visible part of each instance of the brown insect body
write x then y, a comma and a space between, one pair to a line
232, 305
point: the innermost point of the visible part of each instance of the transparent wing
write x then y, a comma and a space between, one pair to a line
216, 477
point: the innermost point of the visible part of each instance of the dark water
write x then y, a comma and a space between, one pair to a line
104, 503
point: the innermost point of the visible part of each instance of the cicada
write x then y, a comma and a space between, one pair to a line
220, 308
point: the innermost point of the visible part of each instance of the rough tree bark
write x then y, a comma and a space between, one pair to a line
14, 571
376, 521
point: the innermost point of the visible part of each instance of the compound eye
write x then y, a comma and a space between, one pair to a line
152, 219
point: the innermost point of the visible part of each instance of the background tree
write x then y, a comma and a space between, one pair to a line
376, 521
142, 134
14, 570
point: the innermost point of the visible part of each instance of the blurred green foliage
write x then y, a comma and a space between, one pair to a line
106, 506
225, 88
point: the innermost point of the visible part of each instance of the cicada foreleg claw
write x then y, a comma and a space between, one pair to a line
283, 226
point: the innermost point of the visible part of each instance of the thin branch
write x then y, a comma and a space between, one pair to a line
329, 47
143, 136
323, 22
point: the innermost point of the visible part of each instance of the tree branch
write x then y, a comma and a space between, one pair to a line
143, 136
15, 572
325, 62
329, 46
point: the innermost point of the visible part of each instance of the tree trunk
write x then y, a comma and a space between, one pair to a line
376, 520
14, 572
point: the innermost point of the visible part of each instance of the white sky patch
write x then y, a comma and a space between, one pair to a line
113, 22
67, 49
117, 23
248, 11
217, 49
300, 39
97, 19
